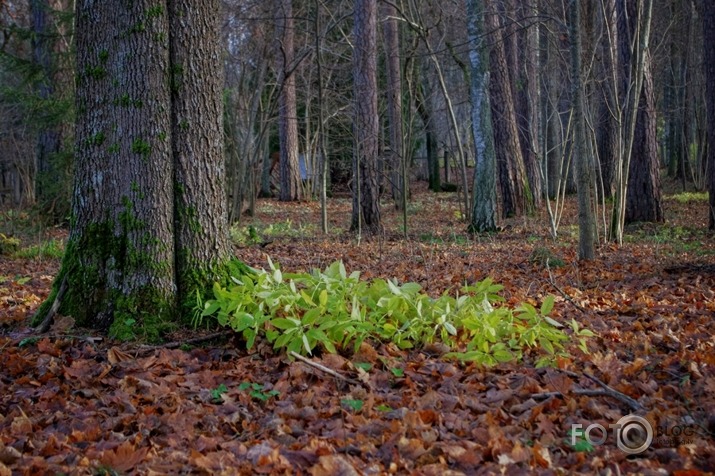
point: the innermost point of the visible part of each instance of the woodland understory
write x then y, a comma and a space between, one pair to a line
78, 403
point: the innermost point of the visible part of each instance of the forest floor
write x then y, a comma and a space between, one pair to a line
80, 404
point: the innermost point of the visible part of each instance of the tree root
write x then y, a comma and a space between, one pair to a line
52, 312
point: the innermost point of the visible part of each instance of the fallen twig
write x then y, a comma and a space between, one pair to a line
145, 349
563, 293
605, 391
323, 368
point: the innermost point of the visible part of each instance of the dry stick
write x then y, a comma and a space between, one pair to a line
605, 391
323, 368
563, 293
50, 317
145, 349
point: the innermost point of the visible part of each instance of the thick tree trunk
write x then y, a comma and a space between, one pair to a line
148, 226
366, 189
644, 201
287, 109
201, 221
484, 206
119, 262
515, 191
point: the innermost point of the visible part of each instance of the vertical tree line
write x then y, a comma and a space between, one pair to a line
401, 93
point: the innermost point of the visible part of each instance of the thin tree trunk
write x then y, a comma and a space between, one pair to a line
394, 103
708, 15
584, 180
290, 181
366, 192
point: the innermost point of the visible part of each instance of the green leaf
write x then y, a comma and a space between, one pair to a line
355, 405
23, 281
283, 323
306, 344
397, 372
547, 305
366, 366
553, 322
308, 300
28, 341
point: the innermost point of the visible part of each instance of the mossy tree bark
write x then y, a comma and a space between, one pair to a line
201, 214
148, 223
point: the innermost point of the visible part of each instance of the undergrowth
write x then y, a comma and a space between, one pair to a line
331, 309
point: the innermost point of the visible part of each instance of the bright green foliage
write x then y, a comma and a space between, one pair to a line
330, 308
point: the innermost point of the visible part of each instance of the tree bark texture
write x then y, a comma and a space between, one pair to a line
120, 254
484, 205
287, 109
584, 180
198, 142
394, 102
643, 197
148, 225
516, 194
708, 16
366, 190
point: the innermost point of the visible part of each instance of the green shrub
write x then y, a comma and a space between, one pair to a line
334, 310
53, 249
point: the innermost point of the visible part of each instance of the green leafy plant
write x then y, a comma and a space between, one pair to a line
352, 404
218, 391
332, 310
580, 443
258, 391
53, 249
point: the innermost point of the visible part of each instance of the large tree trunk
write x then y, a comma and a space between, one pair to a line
287, 109
484, 206
148, 226
516, 194
119, 262
643, 201
201, 216
708, 15
366, 190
